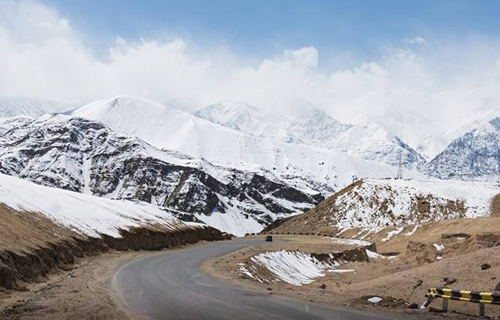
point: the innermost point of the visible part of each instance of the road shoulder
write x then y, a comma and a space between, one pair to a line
341, 289
83, 292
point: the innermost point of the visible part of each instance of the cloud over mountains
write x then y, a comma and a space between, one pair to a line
44, 56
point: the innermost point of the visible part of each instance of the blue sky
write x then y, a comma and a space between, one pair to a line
360, 29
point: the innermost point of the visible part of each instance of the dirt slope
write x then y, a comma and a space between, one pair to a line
22, 231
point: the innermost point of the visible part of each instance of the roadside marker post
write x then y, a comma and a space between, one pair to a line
446, 294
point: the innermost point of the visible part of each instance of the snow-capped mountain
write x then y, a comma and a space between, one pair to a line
85, 156
311, 126
29, 108
411, 127
301, 166
372, 142
240, 116
432, 145
476, 154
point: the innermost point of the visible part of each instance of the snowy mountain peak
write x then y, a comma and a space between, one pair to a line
238, 116
128, 105
372, 142
314, 113
475, 154
314, 127
309, 167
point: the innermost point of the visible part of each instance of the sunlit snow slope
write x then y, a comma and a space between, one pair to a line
313, 127
87, 215
166, 127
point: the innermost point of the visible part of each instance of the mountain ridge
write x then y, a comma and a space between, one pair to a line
168, 128
85, 156
314, 127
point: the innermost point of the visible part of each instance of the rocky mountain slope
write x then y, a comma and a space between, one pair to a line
476, 154
314, 127
166, 127
375, 204
85, 156
441, 136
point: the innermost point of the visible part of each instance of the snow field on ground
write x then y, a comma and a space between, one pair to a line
293, 267
351, 242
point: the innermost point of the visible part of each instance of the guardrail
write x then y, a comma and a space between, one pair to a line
447, 294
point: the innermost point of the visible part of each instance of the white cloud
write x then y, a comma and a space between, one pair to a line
415, 40
42, 56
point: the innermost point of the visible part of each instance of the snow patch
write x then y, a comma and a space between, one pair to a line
392, 234
374, 300
374, 255
410, 233
293, 267
232, 221
341, 271
351, 242
439, 247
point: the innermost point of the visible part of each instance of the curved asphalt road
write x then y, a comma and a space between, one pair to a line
171, 286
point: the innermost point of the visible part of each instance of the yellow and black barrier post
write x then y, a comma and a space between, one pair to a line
447, 294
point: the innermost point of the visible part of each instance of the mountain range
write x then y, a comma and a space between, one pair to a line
230, 165
85, 156
468, 151
314, 127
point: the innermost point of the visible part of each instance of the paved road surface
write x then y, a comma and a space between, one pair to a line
171, 286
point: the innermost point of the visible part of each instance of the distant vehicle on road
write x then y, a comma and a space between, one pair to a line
269, 238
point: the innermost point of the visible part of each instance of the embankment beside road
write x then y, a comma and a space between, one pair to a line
31, 246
